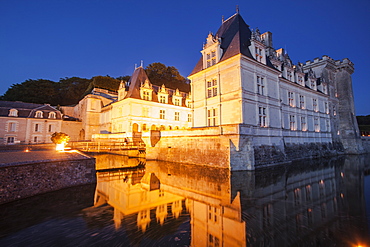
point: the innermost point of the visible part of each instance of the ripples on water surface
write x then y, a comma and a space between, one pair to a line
308, 203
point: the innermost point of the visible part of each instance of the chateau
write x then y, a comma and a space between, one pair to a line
249, 106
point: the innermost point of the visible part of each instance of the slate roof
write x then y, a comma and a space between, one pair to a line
235, 39
27, 110
138, 77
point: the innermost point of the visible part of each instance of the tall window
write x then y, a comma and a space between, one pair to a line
177, 101
314, 104
327, 125
213, 57
303, 124
291, 98
316, 124
12, 127
37, 127
258, 54
260, 85
146, 95
213, 241
212, 88
301, 101
213, 214
162, 99
334, 110
292, 122
145, 112
326, 108
208, 60
313, 84
212, 117
289, 75
262, 117
189, 117
50, 128
177, 116
162, 114
300, 80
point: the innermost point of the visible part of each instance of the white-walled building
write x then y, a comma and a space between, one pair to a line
138, 106
241, 79
28, 123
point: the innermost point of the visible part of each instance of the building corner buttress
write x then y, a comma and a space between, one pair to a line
348, 130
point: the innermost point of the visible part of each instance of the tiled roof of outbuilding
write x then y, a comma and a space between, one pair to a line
27, 110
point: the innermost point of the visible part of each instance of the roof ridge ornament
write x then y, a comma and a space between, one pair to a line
237, 9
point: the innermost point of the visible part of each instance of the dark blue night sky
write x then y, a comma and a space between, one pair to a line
53, 39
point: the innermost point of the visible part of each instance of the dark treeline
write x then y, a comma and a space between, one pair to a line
69, 91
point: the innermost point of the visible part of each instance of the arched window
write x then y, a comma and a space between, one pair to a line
13, 113
38, 114
52, 115
135, 127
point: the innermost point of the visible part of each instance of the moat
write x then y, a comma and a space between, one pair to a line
323, 202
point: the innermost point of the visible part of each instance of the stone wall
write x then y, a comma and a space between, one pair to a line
366, 143
270, 155
18, 181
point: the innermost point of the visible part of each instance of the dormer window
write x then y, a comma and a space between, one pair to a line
162, 99
145, 95
211, 51
52, 115
38, 114
163, 95
258, 54
177, 98
13, 113
300, 80
146, 90
313, 84
289, 75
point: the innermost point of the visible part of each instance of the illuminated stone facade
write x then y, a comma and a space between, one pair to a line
249, 106
242, 79
137, 107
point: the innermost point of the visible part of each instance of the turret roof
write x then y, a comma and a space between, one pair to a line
138, 77
235, 39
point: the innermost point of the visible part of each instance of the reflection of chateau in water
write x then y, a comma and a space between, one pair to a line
306, 204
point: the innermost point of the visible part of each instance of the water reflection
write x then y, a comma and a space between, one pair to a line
308, 203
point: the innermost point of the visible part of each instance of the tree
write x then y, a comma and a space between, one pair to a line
124, 78
59, 138
33, 91
71, 90
160, 74
105, 82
